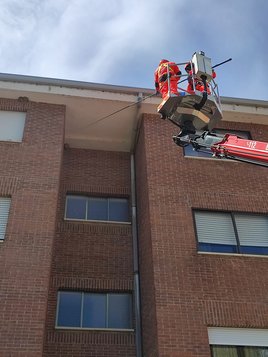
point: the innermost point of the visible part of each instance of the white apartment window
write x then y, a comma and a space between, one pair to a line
4, 212
76, 309
231, 232
97, 208
238, 342
12, 125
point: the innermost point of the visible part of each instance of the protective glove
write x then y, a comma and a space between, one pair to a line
188, 67
163, 78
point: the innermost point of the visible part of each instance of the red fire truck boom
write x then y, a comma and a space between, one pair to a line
234, 147
229, 147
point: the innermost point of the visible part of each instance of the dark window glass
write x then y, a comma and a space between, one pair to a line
224, 351
119, 311
238, 351
189, 151
253, 250
255, 351
118, 210
76, 207
212, 247
97, 209
69, 311
94, 310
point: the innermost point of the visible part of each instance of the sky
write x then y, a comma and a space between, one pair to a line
121, 42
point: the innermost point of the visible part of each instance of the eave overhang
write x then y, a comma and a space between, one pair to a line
90, 122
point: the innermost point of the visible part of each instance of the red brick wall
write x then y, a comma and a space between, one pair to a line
183, 292
192, 291
91, 256
29, 174
146, 259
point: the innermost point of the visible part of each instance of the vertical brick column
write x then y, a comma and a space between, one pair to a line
146, 260
183, 292
29, 174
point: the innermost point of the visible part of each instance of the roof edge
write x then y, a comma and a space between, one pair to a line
18, 78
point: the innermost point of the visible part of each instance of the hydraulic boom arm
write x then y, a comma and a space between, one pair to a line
234, 147
229, 147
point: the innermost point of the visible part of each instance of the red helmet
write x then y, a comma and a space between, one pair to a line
188, 67
163, 61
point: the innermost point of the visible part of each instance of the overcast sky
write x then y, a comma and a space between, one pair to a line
120, 42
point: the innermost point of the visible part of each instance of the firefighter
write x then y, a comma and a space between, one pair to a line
199, 85
164, 69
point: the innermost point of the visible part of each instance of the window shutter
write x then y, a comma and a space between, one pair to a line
4, 212
252, 229
237, 336
12, 126
214, 227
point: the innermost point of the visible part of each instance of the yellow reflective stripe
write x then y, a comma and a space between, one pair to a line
164, 65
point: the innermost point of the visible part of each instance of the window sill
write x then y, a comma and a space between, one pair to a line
95, 221
212, 158
93, 329
235, 254
10, 142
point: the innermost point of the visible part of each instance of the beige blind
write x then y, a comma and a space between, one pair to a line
214, 227
12, 126
252, 229
4, 212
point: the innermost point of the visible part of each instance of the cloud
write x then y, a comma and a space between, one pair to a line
121, 41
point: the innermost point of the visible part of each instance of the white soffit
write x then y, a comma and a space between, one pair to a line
94, 115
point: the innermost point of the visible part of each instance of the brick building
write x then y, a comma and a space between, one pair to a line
116, 242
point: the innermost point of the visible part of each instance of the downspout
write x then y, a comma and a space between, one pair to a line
138, 335
137, 298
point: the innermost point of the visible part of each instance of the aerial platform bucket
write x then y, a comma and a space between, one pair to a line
195, 109
182, 108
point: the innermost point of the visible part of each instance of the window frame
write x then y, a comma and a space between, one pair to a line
5, 223
87, 198
239, 247
20, 119
208, 155
106, 294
